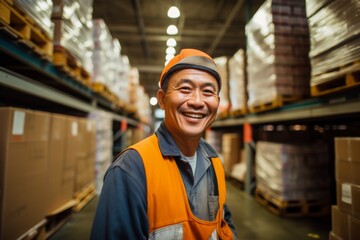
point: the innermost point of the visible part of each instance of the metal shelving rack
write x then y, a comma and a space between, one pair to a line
343, 106
22, 71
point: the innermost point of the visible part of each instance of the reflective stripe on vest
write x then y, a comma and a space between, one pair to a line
168, 207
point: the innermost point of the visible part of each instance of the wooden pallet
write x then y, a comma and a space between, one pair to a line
59, 217
69, 64
292, 208
337, 79
83, 197
238, 112
37, 232
278, 101
24, 30
223, 115
104, 91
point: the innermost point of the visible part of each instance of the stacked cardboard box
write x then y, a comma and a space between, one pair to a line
346, 214
231, 150
277, 53
63, 147
85, 154
23, 170
44, 159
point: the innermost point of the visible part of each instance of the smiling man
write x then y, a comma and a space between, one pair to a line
172, 184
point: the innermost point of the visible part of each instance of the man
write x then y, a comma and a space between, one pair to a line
172, 184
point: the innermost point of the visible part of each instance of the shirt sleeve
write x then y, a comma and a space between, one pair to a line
122, 208
227, 217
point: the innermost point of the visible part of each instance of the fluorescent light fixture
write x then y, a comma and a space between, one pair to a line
173, 12
170, 51
153, 101
168, 57
172, 30
171, 42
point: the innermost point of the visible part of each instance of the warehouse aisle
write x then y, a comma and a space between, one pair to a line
252, 221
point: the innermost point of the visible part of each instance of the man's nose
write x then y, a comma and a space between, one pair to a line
196, 99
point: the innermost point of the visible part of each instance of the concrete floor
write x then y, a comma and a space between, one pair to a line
252, 221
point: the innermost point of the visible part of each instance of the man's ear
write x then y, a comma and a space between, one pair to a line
160, 97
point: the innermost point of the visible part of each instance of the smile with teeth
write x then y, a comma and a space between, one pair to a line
194, 115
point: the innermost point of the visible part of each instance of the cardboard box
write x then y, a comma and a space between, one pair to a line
60, 185
333, 236
85, 161
346, 171
72, 151
23, 169
344, 225
348, 198
340, 223
231, 150
347, 149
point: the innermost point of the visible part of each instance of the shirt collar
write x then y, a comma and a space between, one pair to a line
169, 148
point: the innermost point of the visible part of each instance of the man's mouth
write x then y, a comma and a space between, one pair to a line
194, 115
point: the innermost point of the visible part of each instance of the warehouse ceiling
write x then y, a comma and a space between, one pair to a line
214, 26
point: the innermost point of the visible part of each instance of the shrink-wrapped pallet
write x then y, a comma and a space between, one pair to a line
39, 11
293, 172
73, 27
102, 54
334, 36
222, 66
277, 54
237, 83
104, 145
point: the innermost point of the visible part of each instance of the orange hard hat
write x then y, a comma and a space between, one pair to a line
190, 58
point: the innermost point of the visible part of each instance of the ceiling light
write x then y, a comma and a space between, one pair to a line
172, 30
173, 12
170, 50
153, 101
168, 57
171, 42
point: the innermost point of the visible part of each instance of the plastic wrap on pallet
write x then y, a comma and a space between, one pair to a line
277, 52
340, 56
72, 36
114, 64
237, 87
102, 53
293, 172
143, 105
40, 12
222, 66
73, 27
334, 24
123, 82
312, 6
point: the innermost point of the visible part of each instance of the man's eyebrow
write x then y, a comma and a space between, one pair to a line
185, 80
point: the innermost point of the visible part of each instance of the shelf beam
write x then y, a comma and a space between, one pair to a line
31, 87
309, 112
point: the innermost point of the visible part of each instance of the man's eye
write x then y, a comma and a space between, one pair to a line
208, 91
185, 89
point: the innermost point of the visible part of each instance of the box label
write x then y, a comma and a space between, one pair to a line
346, 193
74, 129
18, 123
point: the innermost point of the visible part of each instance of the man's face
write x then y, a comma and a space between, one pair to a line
190, 102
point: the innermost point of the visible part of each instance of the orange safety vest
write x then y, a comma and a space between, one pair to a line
168, 206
